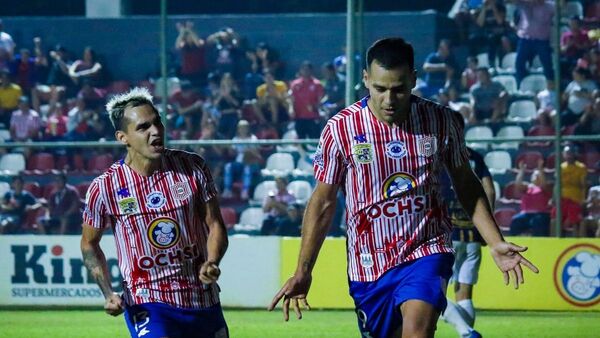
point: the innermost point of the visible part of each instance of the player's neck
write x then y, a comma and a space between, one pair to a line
141, 165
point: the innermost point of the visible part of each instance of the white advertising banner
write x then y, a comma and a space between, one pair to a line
49, 270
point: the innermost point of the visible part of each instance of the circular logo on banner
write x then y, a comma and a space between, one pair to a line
163, 232
395, 149
155, 200
577, 275
397, 184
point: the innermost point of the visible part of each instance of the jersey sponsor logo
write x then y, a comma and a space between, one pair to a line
181, 190
395, 149
171, 257
163, 232
155, 200
363, 152
577, 275
426, 145
361, 138
397, 184
366, 260
123, 192
128, 205
399, 207
142, 293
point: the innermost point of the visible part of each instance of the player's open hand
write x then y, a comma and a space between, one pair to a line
508, 258
113, 305
294, 291
209, 272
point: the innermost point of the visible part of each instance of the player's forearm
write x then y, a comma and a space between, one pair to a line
217, 244
317, 219
95, 262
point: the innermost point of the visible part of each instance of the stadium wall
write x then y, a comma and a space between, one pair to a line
129, 46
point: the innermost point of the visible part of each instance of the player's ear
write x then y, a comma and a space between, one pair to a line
365, 78
121, 137
413, 78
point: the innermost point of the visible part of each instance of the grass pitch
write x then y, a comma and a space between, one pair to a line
258, 323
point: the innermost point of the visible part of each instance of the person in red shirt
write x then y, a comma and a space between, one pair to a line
193, 53
534, 217
306, 93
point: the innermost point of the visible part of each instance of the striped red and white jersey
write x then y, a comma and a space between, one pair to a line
159, 228
390, 176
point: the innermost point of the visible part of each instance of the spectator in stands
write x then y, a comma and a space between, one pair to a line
534, 217
546, 104
577, 96
42, 66
9, 96
247, 162
227, 54
488, 98
7, 46
592, 217
291, 225
22, 69
228, 103
56, 124
589, 122
187, 104
193, 53
87, 68
268, 58
573, 178
469, 76
448, 96
440, 68
94, 97
574, 43
272, 102
306, 93
491, 28
25, 123
591, 61
534, 28
253, 78
79, 118
275, 206
335, 88
14, 207
58, 84
214, 155
64, 209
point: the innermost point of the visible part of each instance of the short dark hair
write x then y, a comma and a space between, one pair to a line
391, 53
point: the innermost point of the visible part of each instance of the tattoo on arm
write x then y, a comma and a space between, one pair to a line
95, 262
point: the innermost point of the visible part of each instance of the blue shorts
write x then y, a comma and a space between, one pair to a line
378, 303
154, 320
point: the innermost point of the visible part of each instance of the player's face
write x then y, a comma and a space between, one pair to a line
390, 91
144, 133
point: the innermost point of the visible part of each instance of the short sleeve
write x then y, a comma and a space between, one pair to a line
481, 170
206, 184
328, 160
456, 152
94, 212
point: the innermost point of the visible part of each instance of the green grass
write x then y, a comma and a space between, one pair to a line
256, 323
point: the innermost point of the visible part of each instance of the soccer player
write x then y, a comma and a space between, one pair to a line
387, 151
162, 207
467, 242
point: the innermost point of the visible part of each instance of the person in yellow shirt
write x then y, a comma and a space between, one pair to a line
9, 96
573, 177
272, 101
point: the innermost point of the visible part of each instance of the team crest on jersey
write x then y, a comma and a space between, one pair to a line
155, 200
397, 184
395, 149
180, 190
363, 152
366, 260
128, 205
426, 145
163, 232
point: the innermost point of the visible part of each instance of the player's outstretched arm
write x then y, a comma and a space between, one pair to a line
217, 242
95, 262
507, 256
317, 219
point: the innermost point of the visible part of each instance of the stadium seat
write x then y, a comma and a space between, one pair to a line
250, 221
590, 159
4, 135
288, 148
301, 190
508, 63
512, 191
40, 163
4, 188
570, 9
34, 188
229, 217
512, 132
483, 60
476, 133
504, 218
100, 163
304, 168
497, 190
498, 161
508, 81
261, 191
533, 84
278, 164
12, 164
530, 158
540, 130
521, 111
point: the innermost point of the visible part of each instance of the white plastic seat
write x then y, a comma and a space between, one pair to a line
497, 190
483, 60
12, 164
301, 190
570, 9
4, 135
261, 191
4, 188
278, 164
521, 111
533, 83
512, 132
477, 133
508, 62
288, 148
508, 81
498, 161
250, 220
304, 168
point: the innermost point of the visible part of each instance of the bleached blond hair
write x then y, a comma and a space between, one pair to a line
116, 106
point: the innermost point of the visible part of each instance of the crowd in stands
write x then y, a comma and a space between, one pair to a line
496, 71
